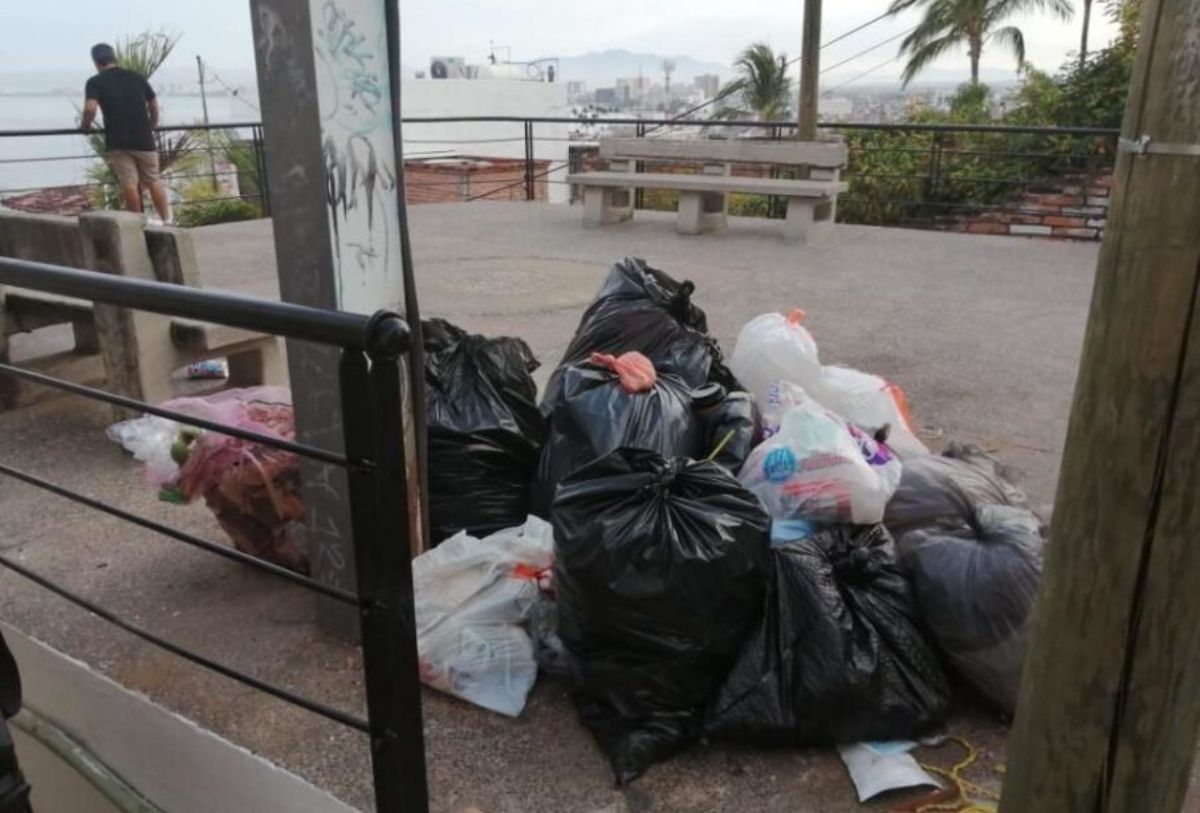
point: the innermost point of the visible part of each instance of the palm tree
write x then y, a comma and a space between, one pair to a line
763, 89
949, 24
1083, 37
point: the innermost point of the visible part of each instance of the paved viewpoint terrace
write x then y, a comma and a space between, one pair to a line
983, 333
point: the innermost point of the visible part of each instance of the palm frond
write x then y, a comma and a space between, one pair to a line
763, 85
145, 53
949, 23
1012, 37
928, 53
1002, 9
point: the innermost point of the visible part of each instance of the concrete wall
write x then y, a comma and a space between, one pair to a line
177, 765
41, 238
483, 97
57, 240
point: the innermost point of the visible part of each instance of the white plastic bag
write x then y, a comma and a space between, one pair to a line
814, 466
870, 402
473, 598
773, 347
149, 440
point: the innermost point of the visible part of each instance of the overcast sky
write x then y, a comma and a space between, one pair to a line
50, 35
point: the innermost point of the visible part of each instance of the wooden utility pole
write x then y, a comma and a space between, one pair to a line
810, 72
1109, 708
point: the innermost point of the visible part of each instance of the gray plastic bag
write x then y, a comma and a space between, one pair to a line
976, 586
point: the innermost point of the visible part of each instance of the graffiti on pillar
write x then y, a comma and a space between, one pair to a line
354, 96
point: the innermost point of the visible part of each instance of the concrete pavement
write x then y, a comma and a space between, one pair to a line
983, 333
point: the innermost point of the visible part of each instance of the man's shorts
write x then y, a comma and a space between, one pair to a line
134, 167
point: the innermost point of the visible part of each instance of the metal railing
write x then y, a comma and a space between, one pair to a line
370, 387
190, 142
906, 173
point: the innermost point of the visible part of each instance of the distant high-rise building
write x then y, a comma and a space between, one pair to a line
575, 89
708, 83
608, 95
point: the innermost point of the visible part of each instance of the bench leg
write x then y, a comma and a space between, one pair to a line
809, 220
603, 205
262, 365
700, 212
87, 341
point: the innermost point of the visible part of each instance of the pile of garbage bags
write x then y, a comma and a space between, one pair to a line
764, 553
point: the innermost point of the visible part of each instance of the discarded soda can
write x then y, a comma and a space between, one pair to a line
209, 368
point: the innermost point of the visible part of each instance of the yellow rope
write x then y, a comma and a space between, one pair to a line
972, 798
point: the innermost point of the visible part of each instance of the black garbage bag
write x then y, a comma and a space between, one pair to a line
485, 430
839, 655
948, 488
593, 416
639, 308
732, 425
659, 571
976, 586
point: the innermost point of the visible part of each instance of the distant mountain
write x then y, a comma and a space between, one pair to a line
603, 68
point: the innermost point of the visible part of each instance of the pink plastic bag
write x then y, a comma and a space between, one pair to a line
635, 371
254, 490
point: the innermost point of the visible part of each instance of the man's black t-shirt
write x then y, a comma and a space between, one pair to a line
123, 96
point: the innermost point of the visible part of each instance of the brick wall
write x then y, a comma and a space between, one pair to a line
1077, 209
460, 179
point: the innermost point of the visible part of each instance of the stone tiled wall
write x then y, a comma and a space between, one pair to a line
459, 180
1075, 210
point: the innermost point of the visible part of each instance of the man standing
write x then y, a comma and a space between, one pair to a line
130, 113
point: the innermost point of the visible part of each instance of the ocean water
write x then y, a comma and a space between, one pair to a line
40, 161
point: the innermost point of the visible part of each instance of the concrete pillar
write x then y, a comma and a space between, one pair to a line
136, 345
326, 93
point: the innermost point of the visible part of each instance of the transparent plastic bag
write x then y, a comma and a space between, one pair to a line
815, 466
773, 347
473, 599
870, 402
149, 440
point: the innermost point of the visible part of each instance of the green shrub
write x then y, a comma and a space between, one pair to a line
211, 212
743, 205
660, 200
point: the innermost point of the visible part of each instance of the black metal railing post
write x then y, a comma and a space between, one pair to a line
260, 169
639, 194
935, 166
379, 510
529, 191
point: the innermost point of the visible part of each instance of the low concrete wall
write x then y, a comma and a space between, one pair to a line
57, 240
41, 238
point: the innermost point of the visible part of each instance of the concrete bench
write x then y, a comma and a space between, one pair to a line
139, 350
703, 196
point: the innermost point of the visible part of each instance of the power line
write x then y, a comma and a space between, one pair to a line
867, 72
232, 91
866, 51
735, 86
856, 29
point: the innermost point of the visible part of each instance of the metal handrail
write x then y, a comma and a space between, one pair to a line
373, 425
337, 328
1011, 129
